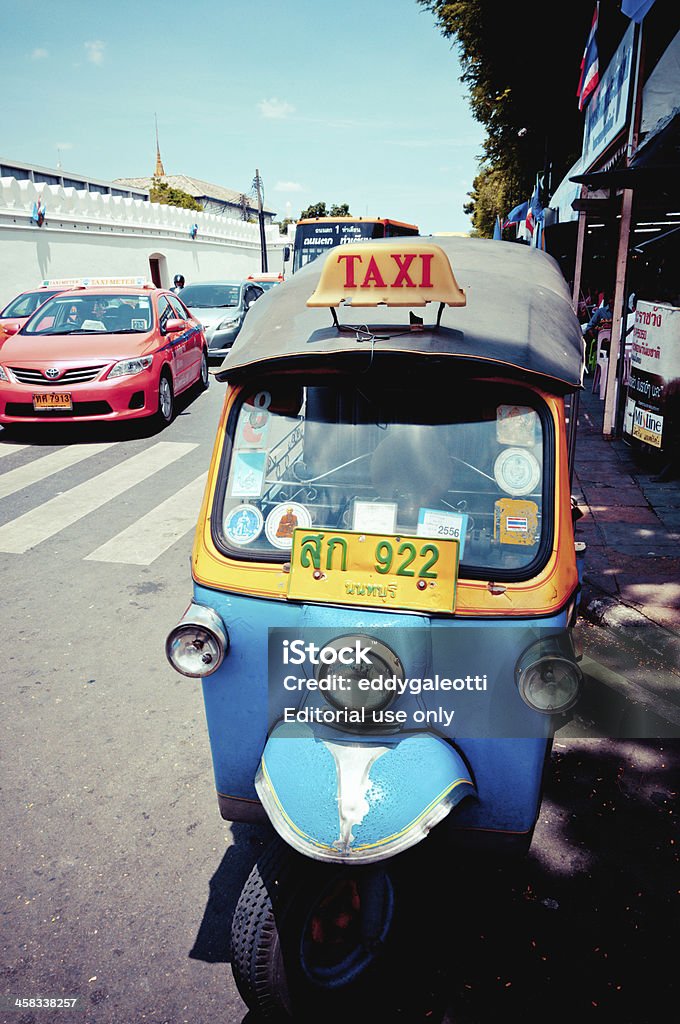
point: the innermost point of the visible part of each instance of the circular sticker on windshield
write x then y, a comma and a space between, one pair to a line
243, 524
282, 520
517, 471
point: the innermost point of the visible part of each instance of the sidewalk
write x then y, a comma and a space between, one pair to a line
631, 580
631, 523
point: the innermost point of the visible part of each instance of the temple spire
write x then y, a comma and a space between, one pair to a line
160, 170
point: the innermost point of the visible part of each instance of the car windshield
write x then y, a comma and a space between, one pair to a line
210, 296
466, 464
89, 313
24, 305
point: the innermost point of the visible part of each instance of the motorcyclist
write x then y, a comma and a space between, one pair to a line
178, 283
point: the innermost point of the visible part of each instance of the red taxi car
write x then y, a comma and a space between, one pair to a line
102, 352
23, 305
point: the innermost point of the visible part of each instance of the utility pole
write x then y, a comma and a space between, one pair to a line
257, 183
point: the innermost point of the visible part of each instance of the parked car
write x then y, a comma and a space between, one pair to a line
221, 306
266, 280
102, 353
23, 305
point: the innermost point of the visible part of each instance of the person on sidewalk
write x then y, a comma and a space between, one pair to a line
601, 318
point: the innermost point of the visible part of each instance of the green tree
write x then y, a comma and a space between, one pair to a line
161, 192
320, 210
521, 78
316, 210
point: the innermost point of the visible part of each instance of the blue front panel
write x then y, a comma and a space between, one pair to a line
506, 768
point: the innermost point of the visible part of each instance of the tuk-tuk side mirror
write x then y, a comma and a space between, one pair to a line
286, 253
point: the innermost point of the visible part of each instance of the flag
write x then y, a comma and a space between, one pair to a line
497, 228
635, 9
535, 212
38, 214
518, 214
590, 68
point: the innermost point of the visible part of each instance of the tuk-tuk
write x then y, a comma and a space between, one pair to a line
385, 580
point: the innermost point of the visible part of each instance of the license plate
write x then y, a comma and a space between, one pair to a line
53, 400
374, 570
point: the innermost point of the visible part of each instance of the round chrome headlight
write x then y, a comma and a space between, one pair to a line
365, 678
551, 684
198, 643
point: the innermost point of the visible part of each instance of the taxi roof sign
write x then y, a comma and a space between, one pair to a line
95, 282
398, 274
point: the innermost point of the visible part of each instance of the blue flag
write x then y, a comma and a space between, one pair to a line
518, 214
497, 236
635, 9
38, 214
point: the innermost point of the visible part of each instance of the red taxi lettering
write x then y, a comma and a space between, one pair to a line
403, 280
349, 268
373, 276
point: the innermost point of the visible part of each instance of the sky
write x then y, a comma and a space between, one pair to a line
358, 103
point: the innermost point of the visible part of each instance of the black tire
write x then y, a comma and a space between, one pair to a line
204, 375
282, 965
166, 400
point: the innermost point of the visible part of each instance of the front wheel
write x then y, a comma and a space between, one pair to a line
307, 936
166, 399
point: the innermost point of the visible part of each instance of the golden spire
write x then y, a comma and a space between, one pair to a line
160, 170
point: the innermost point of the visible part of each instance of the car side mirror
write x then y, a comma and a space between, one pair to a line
10, 328
174, 326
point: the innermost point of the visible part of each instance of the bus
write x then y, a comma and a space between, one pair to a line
316, 235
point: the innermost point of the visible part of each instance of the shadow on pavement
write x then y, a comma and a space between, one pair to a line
581, 927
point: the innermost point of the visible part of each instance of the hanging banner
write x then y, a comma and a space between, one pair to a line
652, 413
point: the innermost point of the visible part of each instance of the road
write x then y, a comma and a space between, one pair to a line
118, 875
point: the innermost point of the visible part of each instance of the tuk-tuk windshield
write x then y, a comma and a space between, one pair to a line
466, 462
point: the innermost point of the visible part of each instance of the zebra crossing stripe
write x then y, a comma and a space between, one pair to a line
10, 449
23, 476
28, 530
143, 541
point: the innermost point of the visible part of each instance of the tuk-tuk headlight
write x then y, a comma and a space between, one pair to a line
548, 678
365, 680
198, 643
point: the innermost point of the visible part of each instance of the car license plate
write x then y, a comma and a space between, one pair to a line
52, 400
378, 570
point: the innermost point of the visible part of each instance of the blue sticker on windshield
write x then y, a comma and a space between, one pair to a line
243, 525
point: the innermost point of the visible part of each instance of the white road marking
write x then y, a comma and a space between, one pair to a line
23, 476
10, 449
143, 541
55, 515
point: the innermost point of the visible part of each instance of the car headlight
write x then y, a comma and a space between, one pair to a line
227, 323
3, 375
198, 643
364, 679
129, 366
548, 678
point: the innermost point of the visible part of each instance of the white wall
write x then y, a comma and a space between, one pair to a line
87, 233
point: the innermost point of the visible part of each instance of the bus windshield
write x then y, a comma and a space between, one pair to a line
315, 237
